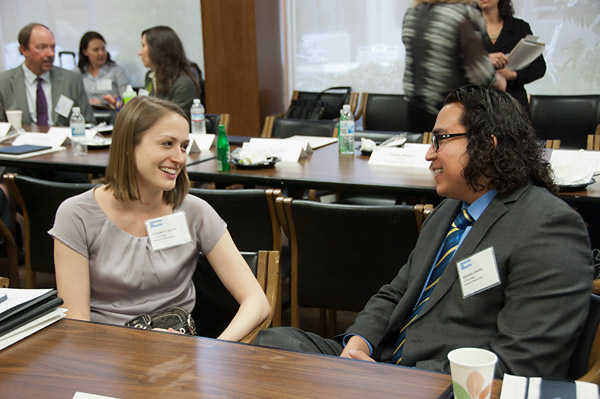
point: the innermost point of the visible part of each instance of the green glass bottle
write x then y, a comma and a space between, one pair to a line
222, 150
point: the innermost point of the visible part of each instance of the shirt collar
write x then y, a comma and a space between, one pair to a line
31, 77
480, 204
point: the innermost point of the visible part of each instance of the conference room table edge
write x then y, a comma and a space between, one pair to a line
72, 356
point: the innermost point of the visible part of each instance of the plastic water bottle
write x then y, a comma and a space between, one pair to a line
128, 94
222, 150
77, 125
346, 131
198, 121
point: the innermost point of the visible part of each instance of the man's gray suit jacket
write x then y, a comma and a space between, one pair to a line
66, 83
531, 320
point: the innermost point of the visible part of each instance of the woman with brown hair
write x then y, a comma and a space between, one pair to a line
172, 76
112, 258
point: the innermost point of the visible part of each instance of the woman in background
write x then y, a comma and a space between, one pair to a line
108, 270
504, 32
444, 51
171, 76
104, 80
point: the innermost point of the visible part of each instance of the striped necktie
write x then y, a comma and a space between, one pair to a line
41, 105
463, 219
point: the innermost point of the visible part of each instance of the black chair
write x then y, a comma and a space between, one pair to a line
215, 306
343, 254
250, 216
569, 119
391, 112
283, 128
214, 120
332, 98
39, 200
585, 362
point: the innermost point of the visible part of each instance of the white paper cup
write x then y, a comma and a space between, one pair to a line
15, 118
472, 372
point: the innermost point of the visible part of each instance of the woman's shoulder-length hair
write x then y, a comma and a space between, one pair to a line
137, 116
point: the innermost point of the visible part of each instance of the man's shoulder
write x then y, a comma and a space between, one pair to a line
65, 73
11, 72
537, 200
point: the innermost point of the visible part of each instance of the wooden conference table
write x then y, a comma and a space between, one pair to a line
325, 168
74, 356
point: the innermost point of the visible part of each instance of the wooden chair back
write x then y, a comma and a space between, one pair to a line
283, 128
553, 144
250, 215
567, 118
39, 200
593, 142
333, 245
214, 120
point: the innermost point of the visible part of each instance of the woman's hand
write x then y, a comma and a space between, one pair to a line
508, 74
498, 60
109, 98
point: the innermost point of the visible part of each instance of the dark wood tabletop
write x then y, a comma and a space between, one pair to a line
325, 168
71, 356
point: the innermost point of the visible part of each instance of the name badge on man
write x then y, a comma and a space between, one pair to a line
64, 105
478, 272
168, 231
104, 85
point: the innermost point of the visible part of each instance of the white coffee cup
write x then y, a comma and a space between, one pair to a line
15, 118
472, 372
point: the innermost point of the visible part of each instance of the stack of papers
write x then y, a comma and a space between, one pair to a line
523, 54
515, 387
24, 312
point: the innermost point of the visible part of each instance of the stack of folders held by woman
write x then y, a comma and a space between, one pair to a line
23, 312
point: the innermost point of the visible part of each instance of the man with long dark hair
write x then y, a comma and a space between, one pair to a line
501, 264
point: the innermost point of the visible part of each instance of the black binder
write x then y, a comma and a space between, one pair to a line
19, 315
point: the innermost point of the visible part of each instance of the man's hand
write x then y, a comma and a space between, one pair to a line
356, 344
498, 60
360, 355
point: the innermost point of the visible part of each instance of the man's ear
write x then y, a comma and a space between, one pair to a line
494, 141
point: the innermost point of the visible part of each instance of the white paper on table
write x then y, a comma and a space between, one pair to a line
410, 156
286, 150
4, 128
573, 166
314, 141
31, 327
42, 139
200, 142
83, 395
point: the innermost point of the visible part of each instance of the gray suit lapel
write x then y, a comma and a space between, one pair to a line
18, 87
56, 77
492, 213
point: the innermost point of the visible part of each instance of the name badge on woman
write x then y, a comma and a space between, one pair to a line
168, 231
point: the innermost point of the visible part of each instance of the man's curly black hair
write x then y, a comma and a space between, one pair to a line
517, 158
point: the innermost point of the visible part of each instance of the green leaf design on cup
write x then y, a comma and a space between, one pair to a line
460, 392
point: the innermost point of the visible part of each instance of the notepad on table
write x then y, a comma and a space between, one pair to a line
27, 150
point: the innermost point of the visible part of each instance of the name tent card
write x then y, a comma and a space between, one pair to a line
199, 142
412, 155
286, 150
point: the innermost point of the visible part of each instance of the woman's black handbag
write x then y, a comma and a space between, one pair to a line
173, 317
317, 109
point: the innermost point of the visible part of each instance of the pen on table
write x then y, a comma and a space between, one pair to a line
200, 161
3, 297
447, 394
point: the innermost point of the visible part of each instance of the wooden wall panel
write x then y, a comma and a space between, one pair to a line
229, 36
243, 61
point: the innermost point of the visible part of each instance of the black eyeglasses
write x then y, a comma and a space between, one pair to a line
436, 138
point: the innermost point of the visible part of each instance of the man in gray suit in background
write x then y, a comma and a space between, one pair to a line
518, 276
39, 89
